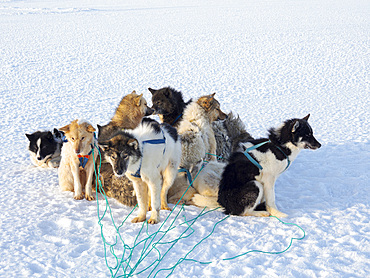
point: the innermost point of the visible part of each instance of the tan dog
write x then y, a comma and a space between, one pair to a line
77, 164
128, 115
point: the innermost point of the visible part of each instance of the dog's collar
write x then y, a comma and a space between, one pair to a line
251, 159
152, 141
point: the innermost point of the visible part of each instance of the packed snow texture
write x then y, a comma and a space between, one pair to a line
267, 61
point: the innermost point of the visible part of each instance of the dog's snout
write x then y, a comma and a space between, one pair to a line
149, 111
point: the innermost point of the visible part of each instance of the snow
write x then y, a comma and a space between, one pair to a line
266, 60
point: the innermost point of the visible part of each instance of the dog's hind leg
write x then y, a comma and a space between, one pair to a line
169, 176
141, 190
65, 178
250, 211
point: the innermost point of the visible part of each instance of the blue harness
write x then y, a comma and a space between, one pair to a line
153, 142
251, 159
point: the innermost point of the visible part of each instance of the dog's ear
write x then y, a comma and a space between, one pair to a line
306, 118
205, 102
137, 100
89, 127
133, 143
29, 136
105, 145
152, 91
65, 129
168, 92
295, 126
50, 136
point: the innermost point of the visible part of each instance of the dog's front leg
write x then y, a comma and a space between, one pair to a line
89, 180
75, 169
141, 190
155, 194
268, 182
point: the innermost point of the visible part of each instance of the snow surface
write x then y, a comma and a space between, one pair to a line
266, 60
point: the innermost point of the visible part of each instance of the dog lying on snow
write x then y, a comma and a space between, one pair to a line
250, 175
44, 148
149, 156
128, 115
77, 164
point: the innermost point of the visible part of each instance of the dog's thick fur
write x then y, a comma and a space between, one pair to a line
72, 177
168, 104
204, 191
128, 152
128, 115
44, 148
243, 185
229, 133
195, 128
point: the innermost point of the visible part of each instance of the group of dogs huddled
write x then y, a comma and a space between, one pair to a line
197, 155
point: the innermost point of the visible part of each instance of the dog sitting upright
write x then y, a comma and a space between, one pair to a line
195, 128
44, 148
149, 156
77, 164
169, 105
250, 174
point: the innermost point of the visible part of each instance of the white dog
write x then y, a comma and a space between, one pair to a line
149, 156
77, 164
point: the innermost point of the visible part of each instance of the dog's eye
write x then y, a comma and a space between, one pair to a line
123, 155
72, 138
82, 138
113, 156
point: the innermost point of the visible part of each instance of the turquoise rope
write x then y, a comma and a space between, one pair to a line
149, 246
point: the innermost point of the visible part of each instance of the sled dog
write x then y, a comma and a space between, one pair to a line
229, 133
128, 115
78, 158
169, 105
250, 175
195, 128
44, 148
149, 156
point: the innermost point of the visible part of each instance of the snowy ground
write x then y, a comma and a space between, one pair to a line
266, 60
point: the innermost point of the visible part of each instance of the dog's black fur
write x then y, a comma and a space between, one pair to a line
238, 190
168, 104
49, 145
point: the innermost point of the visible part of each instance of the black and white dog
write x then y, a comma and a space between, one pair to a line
44, 148
251, 173
149, 156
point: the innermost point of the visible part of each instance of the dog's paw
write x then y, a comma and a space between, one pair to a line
165, 207
138, 219
89, 197
262, 213
275, 212
153, 221
79, 196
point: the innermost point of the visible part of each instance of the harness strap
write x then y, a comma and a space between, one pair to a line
153, 142
85, 158
251, 159
178, 117
187, 174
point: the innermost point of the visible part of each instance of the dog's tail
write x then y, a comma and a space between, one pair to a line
204, 201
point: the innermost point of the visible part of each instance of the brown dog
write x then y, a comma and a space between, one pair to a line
78, 158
